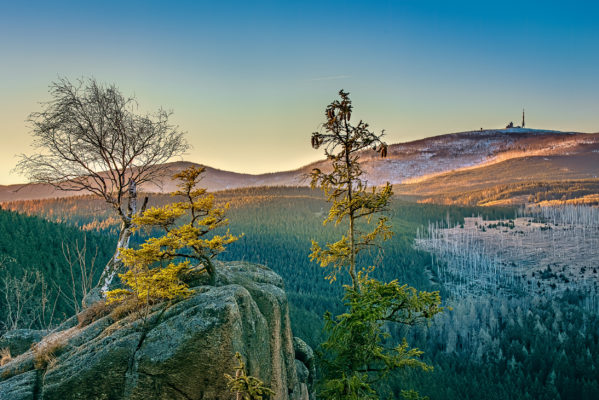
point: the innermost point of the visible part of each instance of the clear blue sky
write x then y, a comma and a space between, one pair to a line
249, 81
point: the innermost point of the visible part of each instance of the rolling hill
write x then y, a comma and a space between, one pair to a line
425, 168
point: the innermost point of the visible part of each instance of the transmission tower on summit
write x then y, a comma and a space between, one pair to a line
523, 119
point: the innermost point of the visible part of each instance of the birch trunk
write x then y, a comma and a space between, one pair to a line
115, 263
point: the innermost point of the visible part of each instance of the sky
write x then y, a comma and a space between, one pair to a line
248, 81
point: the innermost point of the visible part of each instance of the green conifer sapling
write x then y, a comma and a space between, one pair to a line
359, 352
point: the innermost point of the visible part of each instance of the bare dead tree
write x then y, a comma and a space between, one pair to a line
28, 302
82, 272
92, 139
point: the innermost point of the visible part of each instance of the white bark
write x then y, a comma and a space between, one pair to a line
115, 263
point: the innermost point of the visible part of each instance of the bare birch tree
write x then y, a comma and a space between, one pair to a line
92, 139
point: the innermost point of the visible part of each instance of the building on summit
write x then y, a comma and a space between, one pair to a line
511, 124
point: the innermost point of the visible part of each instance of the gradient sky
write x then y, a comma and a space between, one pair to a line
249, 81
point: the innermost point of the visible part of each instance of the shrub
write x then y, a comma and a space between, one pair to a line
147, 279
126, 307
247, 387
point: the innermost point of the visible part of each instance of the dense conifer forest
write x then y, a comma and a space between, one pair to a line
493, 346
36, 277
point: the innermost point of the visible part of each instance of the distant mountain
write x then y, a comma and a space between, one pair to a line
538, 163
423, 160
474, 159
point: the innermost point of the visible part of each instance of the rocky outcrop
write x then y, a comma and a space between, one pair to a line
179, 351
19, 341
305, 367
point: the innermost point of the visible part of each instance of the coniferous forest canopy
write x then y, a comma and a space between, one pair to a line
40, 270
505, 343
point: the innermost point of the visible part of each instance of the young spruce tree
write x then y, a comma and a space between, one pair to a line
154, 268
358, 353
247, 387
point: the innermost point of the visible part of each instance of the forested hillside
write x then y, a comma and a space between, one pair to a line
35, 276
511, 348
278, 225
278, 231
491, 346
550, 192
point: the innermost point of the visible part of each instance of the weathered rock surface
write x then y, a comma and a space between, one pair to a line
177, 352
305, 366
20, 340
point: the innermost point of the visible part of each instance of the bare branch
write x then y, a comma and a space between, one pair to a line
91, 138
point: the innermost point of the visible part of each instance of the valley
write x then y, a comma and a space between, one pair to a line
500, 222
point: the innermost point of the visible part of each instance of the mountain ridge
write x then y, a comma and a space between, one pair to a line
407, 163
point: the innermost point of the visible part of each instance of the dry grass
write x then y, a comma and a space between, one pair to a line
93, 313
46, 351
126, 308
45, 356
519, 175
544, 193
15, 366
5, 356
